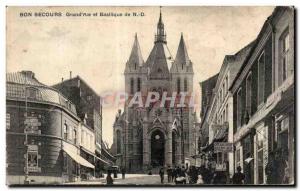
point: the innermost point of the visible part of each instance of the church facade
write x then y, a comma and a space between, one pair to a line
158, 134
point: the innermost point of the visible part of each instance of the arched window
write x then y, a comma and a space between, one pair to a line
65, 131
118, 142
131, 85
139, 84
178, 85
185, 85
74, 136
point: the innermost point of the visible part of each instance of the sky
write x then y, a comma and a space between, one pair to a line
97, 48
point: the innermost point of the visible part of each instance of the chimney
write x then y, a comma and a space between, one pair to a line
62, 79
28, 74
70, 74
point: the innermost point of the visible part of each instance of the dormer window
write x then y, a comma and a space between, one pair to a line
32, 93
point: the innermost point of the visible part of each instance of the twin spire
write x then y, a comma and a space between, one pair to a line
181, 63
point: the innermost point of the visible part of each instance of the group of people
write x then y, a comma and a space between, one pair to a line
200, 175
177, 175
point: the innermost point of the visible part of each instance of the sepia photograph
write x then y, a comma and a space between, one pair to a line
162, 96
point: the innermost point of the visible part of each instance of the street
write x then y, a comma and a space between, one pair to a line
130, 179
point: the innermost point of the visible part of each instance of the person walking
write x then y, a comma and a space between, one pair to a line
161, 174
173, 174
109, 179
238, 177
123, 171
169, 173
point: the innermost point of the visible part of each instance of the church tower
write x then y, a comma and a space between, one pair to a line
134, 69
156, 135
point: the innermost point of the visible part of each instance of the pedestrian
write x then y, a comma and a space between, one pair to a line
161, 174
173, 174
238, 177
169, 173
200, 179
270, 169
109, 179
123, 172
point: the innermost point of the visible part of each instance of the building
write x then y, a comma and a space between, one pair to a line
89, 109
264, 96
207, 86
41, 133
155, 136
219, 115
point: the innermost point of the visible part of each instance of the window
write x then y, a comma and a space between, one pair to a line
118, 142
131, 85
249, 93
7, 121
223, 91
239, 108
31, 93
226, 113
82, 137
89, 97
178, 85
74, 136
226, 83
65, 131
224, 116
238, 157
284, 54
185, 85
261, 78
139, 84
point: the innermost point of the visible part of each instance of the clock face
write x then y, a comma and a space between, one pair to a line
157, 137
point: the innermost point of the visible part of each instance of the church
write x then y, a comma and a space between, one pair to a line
156, 136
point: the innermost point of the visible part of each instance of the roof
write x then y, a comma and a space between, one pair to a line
76, 78
15, 89
159, 61
135, 59
266, 24
182, 61
23, 77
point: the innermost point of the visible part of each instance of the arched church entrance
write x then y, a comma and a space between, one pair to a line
157, 149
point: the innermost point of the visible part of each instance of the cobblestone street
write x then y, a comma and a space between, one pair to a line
131, 179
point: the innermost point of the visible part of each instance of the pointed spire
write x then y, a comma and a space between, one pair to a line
160, 19
160, 34
135, 58
182, 56
182, 61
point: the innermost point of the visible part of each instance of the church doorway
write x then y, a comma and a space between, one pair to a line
157, 149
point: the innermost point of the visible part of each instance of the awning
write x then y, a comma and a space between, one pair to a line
71, 150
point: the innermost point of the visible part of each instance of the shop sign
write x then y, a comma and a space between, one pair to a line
223, 147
